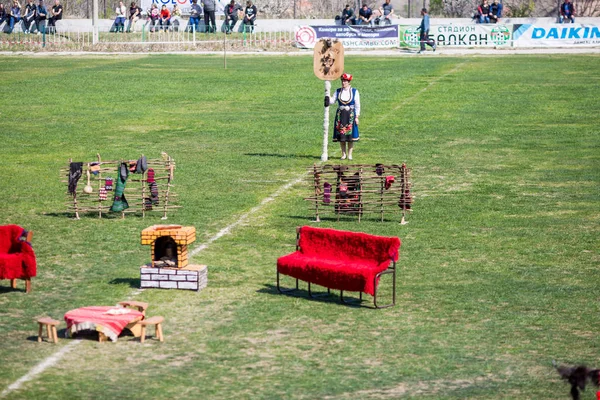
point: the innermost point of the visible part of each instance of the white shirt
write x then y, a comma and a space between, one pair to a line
345, 95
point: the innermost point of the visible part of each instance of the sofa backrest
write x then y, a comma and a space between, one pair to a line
345, 245
9, 238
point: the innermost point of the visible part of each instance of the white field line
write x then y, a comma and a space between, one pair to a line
417, 94
54, 358
244, 217
41, 367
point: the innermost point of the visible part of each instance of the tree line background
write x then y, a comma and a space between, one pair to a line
402, 8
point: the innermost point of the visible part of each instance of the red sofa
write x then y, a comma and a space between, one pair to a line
17, 259
341, 260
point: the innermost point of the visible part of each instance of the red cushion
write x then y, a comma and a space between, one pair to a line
11, 266
332, 273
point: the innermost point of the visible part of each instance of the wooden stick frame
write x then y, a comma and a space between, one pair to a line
361, 189
136, 190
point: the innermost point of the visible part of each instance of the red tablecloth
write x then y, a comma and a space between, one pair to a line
101, 319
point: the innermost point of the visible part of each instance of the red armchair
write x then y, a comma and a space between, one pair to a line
17, 259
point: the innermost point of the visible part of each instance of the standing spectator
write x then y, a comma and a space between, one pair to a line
365, 15
348, 16
57, 14
345, 126
231, 16
567, 11
153, 17
134, 15
387, 11
209, 16
121, 11
250, 16
495, 12
165, 18
424, 36
195, 13
15, 15
40, 17
29, 16
484, 12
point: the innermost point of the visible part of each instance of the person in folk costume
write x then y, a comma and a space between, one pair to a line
345, 127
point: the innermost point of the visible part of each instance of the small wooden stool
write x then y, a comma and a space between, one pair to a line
139, 305
156, 321
50, 328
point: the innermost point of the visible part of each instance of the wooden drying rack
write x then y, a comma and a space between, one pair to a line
365, 192
136, 189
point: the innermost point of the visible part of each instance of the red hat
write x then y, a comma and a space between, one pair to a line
347, 77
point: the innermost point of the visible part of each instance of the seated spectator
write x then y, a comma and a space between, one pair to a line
365, 16
495, 12
348, 16
121, 11
40, 17
56, 15
3, 14
29, 16
249, 16
176, 17
387, 12
14, 15
195, 13
165, 18
567, 12
135, 13
484, 12
231, 15
153, 17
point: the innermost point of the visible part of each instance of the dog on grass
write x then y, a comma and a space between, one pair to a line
577, 377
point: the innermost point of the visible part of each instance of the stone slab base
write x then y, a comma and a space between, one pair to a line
191, 277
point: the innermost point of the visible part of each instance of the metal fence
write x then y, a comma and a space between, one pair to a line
145, 39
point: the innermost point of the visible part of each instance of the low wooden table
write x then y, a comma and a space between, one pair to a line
108, 321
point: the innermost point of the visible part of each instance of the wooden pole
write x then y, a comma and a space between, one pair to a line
99, 186
324, 155
316, 180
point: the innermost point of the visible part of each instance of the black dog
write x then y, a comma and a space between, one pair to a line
578, 377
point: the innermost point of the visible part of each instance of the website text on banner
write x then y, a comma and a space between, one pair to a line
556, 35
351, 37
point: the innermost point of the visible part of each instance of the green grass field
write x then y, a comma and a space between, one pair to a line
499, 262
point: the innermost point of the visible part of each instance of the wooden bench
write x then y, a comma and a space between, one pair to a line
157, 322
50, 325
341, 260
138, 305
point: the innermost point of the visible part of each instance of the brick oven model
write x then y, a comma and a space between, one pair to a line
170, 267
169, 244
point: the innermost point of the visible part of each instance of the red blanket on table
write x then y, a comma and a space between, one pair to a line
101, 319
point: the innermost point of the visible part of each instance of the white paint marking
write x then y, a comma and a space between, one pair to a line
227, 230
41, 367
414, 96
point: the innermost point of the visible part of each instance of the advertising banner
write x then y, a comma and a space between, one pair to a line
556, 35
352, 37
474, 35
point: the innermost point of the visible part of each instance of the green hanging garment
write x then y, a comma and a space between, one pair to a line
120, 203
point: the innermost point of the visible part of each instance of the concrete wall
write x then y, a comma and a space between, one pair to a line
287, 25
